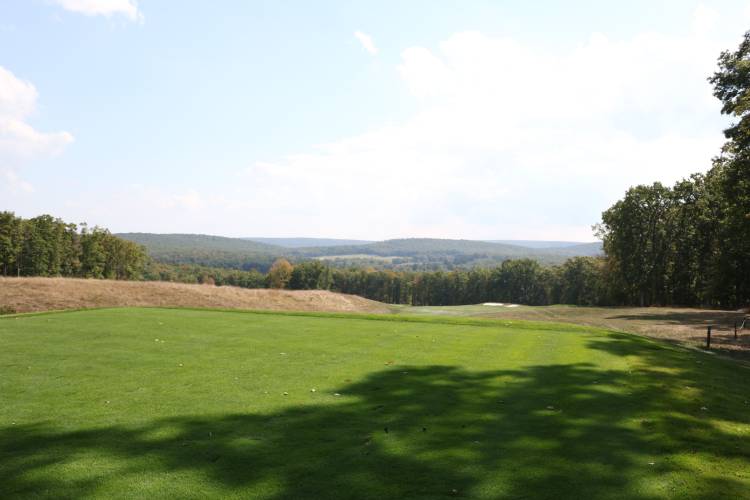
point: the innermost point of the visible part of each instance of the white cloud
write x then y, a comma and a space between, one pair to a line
366, 41
425, 74
19, 141
509, 141
17, 97
14, 184
190, 200
107, 8
704, 19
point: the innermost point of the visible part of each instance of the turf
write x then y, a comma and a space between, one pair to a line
144, 403
686, 326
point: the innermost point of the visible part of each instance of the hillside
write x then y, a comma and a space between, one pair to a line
539, 243
309, 242
163, 243
207, 250
457, 252
425, 246
583, 249
407, 253
46, 294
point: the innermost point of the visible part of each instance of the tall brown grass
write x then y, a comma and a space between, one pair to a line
46, 294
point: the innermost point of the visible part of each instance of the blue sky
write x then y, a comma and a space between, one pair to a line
477, 119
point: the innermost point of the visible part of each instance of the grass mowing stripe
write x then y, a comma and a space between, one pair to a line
537, 325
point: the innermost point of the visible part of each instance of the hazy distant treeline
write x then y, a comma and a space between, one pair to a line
45, 246
406, 254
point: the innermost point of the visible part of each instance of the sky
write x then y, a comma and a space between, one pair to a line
476, 119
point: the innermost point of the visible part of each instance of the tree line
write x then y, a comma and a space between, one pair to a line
46, 246
690, 244
580, 280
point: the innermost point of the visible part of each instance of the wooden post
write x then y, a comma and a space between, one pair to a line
708, 337
735, 330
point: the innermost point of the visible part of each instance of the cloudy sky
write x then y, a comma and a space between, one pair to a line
476, 119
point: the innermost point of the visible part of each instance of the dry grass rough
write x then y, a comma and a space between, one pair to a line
49, 294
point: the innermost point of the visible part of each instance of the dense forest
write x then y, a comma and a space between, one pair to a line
690, 244
580, 280
207, 251
45, 246
686, 245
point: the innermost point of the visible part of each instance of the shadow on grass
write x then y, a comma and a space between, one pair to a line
720, 319
556, 431
723, 323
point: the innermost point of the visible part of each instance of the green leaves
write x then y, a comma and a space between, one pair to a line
46, 246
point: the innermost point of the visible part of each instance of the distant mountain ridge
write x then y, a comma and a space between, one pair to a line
309, 242
155, 241
540, 243
427, 246
410, 246
403, 253
593, 249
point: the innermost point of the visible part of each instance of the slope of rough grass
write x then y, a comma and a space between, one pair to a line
145, 403
45, 294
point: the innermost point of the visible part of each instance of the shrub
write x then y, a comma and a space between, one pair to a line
7, 309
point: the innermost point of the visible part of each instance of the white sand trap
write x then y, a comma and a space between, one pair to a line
493, 304
512, 305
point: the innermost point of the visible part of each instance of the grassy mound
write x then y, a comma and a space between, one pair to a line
147, 403
50, 294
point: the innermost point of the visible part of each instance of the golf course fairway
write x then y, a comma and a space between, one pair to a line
178, 403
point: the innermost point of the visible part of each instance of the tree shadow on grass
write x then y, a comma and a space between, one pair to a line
554, 431
698, 318
723, 323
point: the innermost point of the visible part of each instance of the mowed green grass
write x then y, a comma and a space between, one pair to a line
153, 403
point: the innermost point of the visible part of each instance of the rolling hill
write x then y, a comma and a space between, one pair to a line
538, 243
406, 253
165, 243
455, 251
54, 294
583, 249
424, 246
207, 250
309, 242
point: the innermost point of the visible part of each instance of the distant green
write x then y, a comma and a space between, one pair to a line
169, 403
